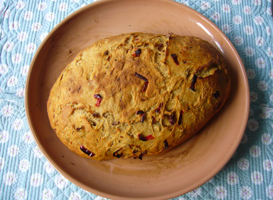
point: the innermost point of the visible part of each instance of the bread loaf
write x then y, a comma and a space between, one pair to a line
137, 94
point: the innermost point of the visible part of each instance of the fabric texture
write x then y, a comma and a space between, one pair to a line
26, 174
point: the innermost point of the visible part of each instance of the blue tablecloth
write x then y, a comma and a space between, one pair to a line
26, 174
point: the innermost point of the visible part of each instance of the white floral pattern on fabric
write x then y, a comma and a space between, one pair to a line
18, 124
20, 194
268, 165
13, 150
74, 196
3, 69
36, 180
246, 192
4, 136
196, 192
49, 167
243, 164
10, 178
102, 198
28, 138
24, 165
60, 181
220, 192
47, 194
269, 191
232, 178
37, 152
2, 163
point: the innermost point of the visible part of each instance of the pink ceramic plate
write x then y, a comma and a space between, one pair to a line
156, 177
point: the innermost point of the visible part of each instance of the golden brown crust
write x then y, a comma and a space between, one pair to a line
152, 93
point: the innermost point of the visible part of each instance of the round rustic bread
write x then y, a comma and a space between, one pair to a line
137, 94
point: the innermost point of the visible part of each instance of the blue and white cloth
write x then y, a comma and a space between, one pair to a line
26, 174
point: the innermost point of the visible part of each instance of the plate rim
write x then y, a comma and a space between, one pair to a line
105, 194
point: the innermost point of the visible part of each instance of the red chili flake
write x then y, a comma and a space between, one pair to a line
149, 137
137, 53
99, 99
172, 119
98, 102
145, 86
141, 77
174, 56
166, 144
193, 81
86, 151
216, 94
180, 117
159, 107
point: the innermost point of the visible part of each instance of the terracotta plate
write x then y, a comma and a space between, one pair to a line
156, 177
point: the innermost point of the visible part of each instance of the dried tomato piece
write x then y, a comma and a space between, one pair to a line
144, 79
140, 156
106, 52
145, 138
96, 115
143, 116
153, 122
174, 56
159, 107
86, 151
141, 77
116, 123
193, 81
78, 129
137, 53
141, 137
97, 96
180, 117
145, 86
117, 155
99, 99
172, 119
166, 144
140, 112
